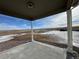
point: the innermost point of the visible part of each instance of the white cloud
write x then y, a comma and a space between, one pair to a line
61, 20
5, 26
26, 26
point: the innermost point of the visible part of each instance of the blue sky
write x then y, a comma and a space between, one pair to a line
7, 22
59, 20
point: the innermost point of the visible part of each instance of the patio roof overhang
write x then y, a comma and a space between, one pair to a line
35, 9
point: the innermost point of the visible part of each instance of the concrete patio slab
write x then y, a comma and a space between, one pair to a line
34, 50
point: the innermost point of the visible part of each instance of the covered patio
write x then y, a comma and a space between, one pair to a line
34, 10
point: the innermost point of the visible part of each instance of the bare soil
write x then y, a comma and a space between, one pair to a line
18, 40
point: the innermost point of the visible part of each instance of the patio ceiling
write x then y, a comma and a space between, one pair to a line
35, 9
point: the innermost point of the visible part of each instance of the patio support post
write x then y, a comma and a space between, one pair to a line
70, 53
32, 37
69, 30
